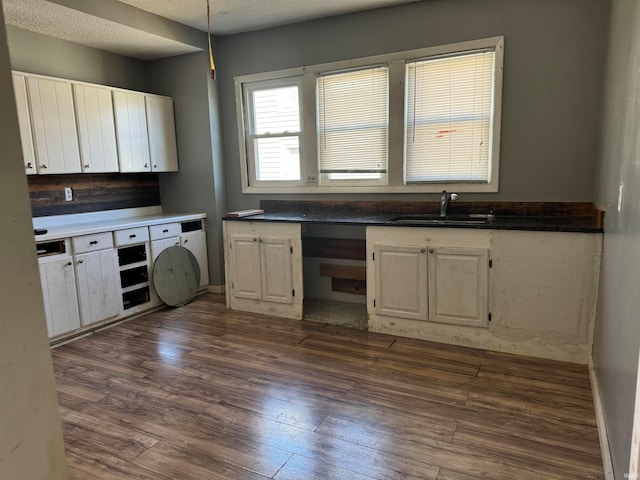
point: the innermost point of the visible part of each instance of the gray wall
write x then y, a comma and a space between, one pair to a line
554, 54
617, 338
35, 53
31, 444
199, 186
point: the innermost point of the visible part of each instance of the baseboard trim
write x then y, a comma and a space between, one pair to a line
215, 288
607, 464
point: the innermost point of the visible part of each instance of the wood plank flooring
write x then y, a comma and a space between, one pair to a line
201, 392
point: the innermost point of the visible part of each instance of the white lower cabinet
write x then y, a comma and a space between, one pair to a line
157, 247
263, 264
438, 284
401, 281
528, 293
58, 281
98, 289
458, 285
196, 243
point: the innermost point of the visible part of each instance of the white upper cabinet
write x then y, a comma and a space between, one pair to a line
24, 121
76, 127
96, 128
162, 134
131, 131
54, 125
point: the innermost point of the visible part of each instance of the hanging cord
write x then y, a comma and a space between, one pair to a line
211, 63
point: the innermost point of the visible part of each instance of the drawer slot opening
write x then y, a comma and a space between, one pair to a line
129, 255
51, 248
191, 226
135, 297
134, 276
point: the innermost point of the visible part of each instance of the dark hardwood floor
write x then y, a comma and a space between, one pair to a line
201, 393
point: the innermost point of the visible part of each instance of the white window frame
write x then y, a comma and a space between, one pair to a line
249, 129
396, 63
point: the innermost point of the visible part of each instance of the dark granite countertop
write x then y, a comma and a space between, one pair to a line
547, 223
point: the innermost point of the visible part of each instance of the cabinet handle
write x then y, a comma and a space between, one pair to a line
93, 242
165, 231
431, 250
422, 250
29, 165
146, 165
80, 261
177, 244
86, 165
132, 236
69, 264
43, 166
187, 241
155, 166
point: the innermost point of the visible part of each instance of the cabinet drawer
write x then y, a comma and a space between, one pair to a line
158, 232
131, 236
91, 243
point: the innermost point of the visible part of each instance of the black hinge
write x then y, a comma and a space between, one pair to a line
291, 248
491, 263
373, 256
232, 286
293, 293
489, 316
374, 302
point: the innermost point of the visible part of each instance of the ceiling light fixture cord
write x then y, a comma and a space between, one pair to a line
211, 62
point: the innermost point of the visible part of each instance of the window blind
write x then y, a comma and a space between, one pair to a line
449, 118
352, 113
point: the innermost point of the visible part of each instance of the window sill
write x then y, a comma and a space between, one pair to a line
371, 189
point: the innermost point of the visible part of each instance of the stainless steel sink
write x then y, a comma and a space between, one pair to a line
436, 219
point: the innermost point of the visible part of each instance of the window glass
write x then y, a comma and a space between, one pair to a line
449, 118
352, 111
275, 133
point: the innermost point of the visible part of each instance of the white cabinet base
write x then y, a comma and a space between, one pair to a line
264, 274
542, 290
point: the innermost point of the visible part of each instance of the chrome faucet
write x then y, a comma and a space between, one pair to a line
445, 198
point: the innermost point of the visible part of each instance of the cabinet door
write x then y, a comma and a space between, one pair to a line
59, 295
275, 267
24, 121
162, 134
196, 243
458, 286
131, 131
54, 125
246, 279
401, 281
96, 129
98, 286
158, 246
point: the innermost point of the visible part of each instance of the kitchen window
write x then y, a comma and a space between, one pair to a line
449, 118
273, 132
408, 122
352, 126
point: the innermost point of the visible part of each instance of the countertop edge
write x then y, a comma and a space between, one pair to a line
368, 221
87, 228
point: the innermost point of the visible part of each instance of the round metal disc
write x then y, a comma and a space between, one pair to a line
176, 276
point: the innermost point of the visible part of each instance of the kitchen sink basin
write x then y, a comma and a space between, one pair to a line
436, 219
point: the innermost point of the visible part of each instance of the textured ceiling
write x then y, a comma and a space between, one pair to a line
150, 29
233, 16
